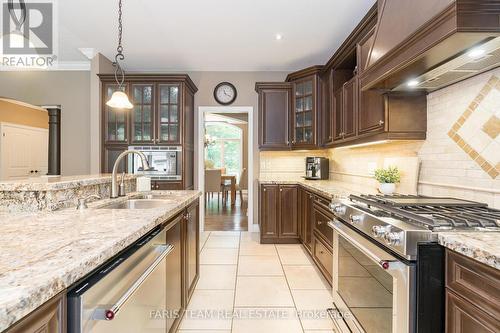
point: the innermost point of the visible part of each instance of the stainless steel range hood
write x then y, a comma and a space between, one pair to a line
430, 44
479, 59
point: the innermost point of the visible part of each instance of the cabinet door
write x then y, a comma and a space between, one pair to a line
307, 219
110, 155
464, 317
169, 116
304, 114
326, 119
350, 100
274, 112
49, 318
115, 121
371, 112
174, 273
269, 214
337, 115
288, 212
142, 117
305, 199
192, 253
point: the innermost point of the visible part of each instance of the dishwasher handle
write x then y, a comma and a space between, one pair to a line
110, 313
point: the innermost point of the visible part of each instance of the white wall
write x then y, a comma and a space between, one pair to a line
71, 90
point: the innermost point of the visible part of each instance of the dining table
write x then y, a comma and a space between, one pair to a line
232, 180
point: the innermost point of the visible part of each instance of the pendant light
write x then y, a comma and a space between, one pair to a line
119, 99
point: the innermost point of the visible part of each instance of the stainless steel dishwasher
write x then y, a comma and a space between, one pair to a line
129, 294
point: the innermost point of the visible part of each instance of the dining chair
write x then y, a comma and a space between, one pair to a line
242, 183
212, 183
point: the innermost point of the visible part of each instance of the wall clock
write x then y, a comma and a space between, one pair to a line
225, 93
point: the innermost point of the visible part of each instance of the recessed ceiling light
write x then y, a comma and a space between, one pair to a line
476, 53
278, 36
412, 83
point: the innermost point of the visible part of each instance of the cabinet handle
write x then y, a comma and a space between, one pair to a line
310, 196
293, 142
320, 222
381, 122
265, 190
281, 190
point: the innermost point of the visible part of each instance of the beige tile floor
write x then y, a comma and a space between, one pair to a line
245, 286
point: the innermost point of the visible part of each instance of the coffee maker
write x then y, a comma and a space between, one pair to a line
317, 168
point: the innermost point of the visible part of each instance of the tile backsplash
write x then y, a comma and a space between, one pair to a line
438, 166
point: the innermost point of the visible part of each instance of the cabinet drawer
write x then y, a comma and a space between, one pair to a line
324, 258
476, 282
463, 317
320, 220
323, 202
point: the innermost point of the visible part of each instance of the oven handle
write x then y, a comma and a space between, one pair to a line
110, 313
377, 254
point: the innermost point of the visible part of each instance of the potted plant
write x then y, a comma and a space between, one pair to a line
387, 179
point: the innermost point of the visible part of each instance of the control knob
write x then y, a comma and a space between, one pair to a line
337, 208
392, 238
355, 218
378, 231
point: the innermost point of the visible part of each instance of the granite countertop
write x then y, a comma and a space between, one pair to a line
42, 254
50, 183
328, 188
481, 246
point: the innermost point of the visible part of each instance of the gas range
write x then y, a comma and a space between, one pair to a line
400, 222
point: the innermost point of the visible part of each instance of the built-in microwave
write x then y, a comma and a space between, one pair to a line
165, 160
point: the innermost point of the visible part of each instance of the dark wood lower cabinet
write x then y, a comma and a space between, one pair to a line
279, 214
163, 185
292, 214
49, 318
306, 199
323, 257
174, 279
192, 249
472, 295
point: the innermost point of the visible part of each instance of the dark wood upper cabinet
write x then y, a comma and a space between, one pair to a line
304, 112
349, 108
142, 115
274, 113
115, 128
162, 114
169, 117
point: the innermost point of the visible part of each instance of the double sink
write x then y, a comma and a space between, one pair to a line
149, 201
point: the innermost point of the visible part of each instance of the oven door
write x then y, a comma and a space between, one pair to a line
373, 291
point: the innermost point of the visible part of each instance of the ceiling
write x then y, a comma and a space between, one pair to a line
210, 35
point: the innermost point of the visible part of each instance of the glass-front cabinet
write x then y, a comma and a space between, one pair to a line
169, 130
115, 120
304, 113
142, 116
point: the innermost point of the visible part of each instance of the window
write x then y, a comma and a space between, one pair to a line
225, 149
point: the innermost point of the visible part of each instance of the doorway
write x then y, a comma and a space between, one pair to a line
225, 159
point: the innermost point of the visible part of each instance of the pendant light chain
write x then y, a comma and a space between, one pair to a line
119, 56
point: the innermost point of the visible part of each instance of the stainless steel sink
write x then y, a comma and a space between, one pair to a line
136, 204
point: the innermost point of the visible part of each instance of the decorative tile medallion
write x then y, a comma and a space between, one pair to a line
477, 130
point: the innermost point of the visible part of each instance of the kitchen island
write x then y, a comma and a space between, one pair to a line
44, 253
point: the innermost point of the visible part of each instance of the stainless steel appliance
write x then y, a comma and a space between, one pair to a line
317, 168
388, 271
125, 295
166, 162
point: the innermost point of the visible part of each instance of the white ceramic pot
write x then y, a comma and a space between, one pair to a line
387, 188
